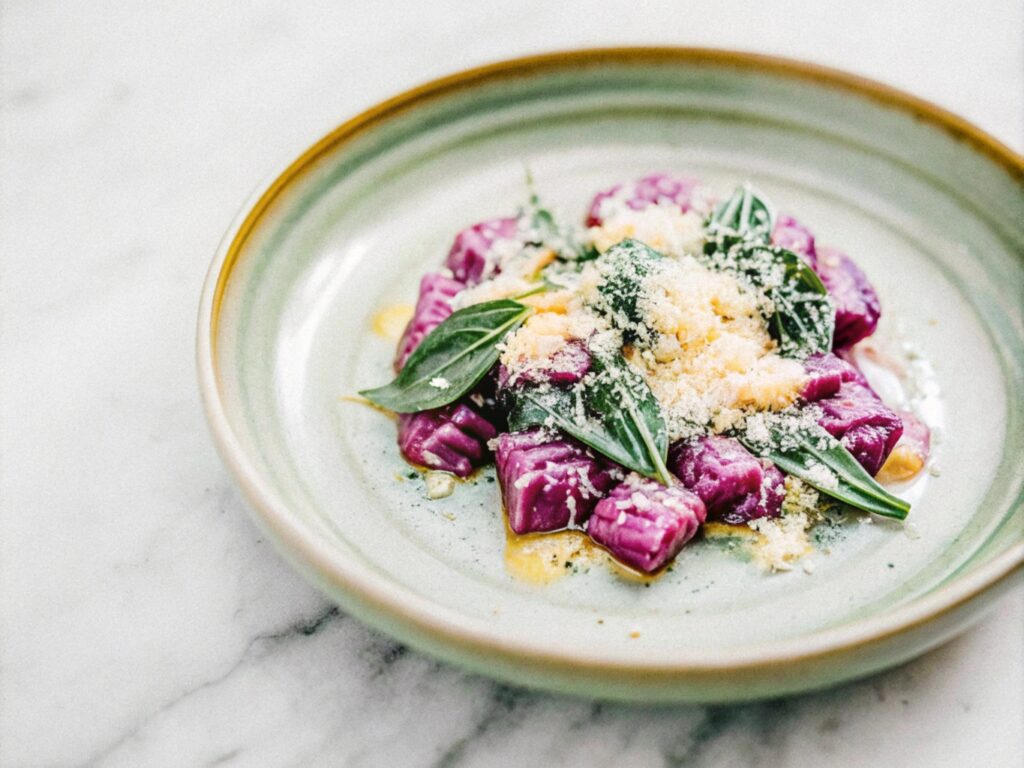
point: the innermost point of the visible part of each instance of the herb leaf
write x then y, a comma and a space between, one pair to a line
615, 413
541, 406
806, 452
453, 357
545, 231
801, 317
630, 412
745, 217
623, 268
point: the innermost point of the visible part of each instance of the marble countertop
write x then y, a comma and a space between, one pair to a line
144, 620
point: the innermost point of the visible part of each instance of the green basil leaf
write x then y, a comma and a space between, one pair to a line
614, 412
820, 460
623, 268
801, 317
532, 406
543, 230
630, 412
745, 217
452, 359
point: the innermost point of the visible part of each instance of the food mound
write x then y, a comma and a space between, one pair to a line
677, 360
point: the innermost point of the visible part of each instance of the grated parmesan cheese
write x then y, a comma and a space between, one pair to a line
711, 359
663, 227
543, 335
781, 540
439, 484
800, 498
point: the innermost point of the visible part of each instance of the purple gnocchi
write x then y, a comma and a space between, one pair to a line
566, 367
734, 485
857, 305
472, 255
794, 236
453, 438
644, 524
765, 502
862, 422
432, 308
548, 483
655, 189
826, 373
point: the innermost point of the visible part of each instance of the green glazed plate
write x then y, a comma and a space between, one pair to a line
932, 209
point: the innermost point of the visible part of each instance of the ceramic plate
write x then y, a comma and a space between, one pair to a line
932, 209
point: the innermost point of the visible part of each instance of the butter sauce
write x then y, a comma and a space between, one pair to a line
389, 322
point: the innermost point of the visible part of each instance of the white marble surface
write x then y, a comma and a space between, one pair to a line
144, 620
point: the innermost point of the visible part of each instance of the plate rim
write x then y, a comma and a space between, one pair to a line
409, 616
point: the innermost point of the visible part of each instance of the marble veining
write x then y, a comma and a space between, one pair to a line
144, 620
